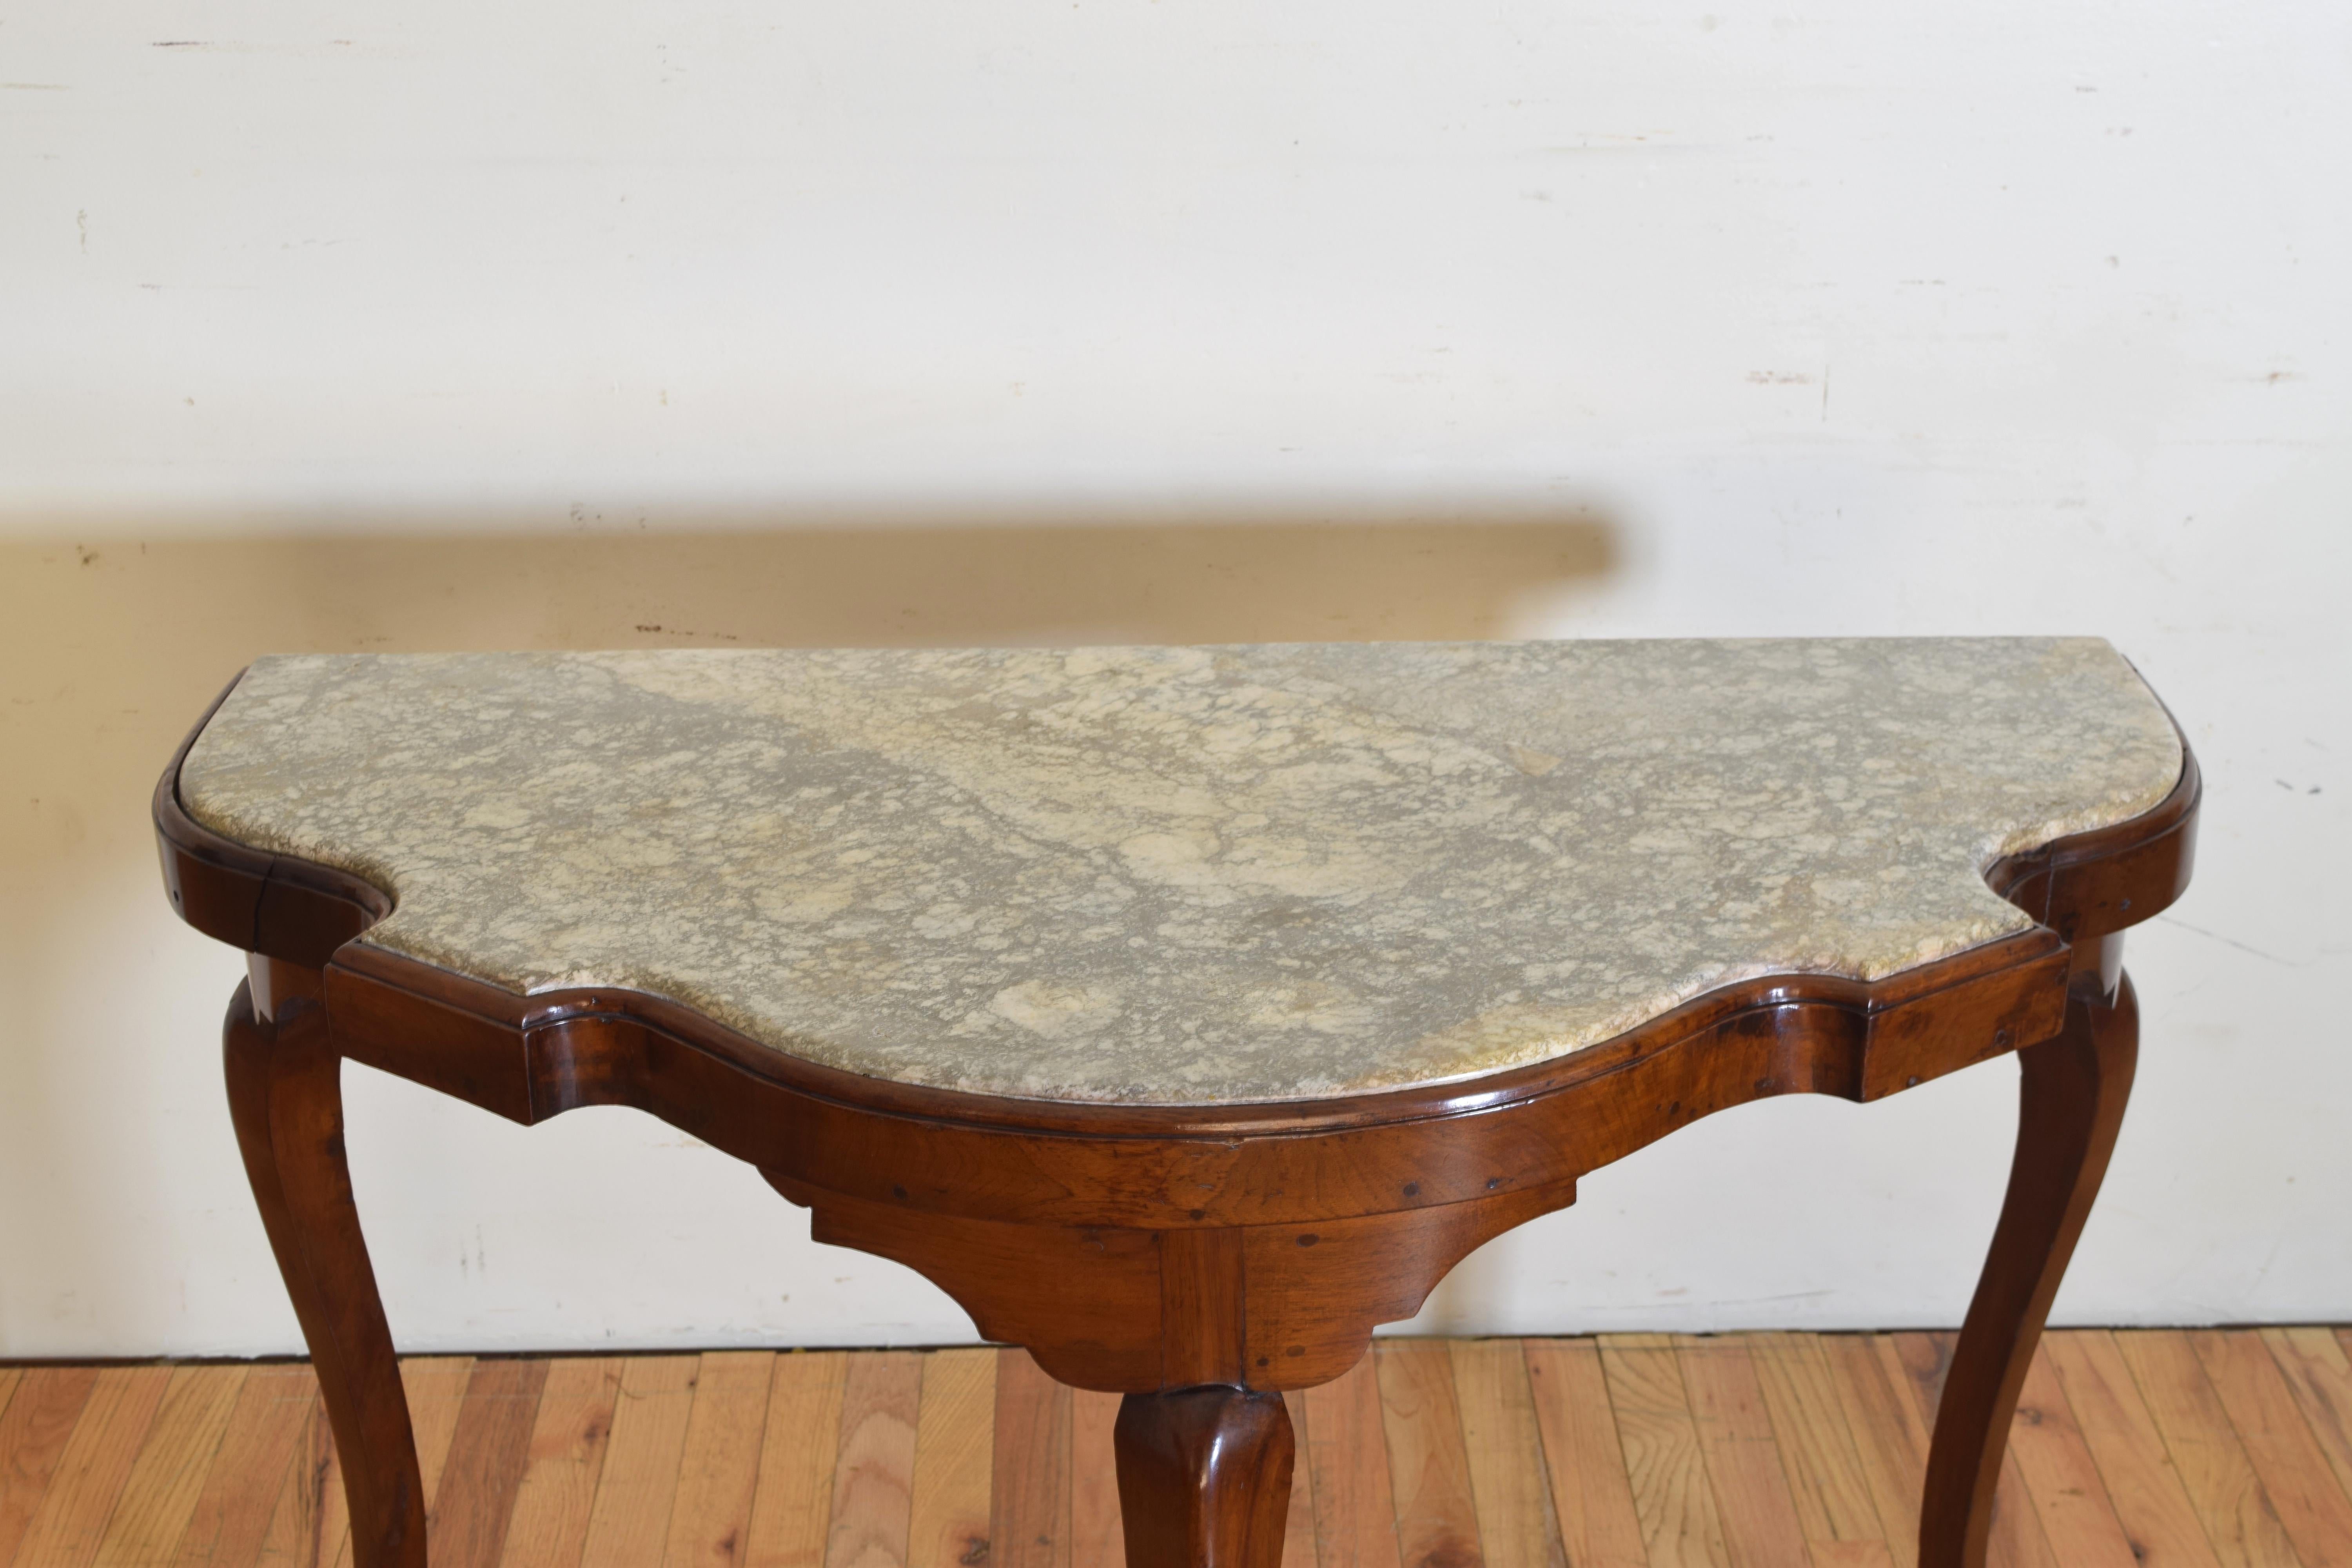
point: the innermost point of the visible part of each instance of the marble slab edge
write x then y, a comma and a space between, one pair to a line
302, 913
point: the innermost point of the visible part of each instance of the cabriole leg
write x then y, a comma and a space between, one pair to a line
2071, 1102
1203, 1477
285, 1094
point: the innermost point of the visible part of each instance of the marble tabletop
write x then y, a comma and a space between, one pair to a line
1185, 875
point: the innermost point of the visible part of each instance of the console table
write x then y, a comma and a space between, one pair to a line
1184, 1013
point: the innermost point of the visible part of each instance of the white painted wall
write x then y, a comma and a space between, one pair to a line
1844, 317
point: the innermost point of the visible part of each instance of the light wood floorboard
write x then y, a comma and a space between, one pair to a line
2136, 1449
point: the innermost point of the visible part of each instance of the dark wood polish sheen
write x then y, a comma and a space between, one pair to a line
1197, 1259
1204, 1477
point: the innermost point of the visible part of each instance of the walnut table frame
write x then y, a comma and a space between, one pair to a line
1201, 1259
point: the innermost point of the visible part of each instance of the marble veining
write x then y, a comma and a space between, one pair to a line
1185, 875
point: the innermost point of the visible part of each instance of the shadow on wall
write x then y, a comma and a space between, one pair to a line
109, 650
110, 647
898, 583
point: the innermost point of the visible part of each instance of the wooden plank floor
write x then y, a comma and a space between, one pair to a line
2139, 1449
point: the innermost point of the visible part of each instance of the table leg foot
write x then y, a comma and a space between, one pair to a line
284, 1095
1204, 1477
2069, 1104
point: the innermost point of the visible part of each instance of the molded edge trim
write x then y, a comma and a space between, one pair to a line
2079, 887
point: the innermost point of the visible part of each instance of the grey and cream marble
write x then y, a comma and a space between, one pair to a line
1185, 875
